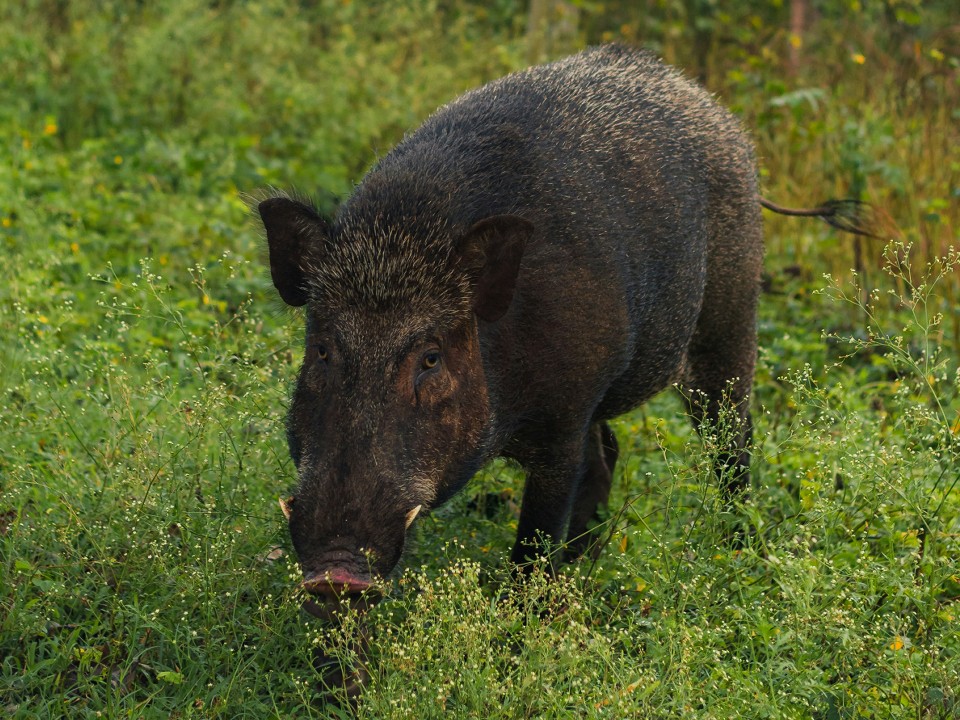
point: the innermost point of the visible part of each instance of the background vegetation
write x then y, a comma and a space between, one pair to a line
145, 569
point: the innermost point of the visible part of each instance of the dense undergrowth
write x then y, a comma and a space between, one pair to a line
145, 569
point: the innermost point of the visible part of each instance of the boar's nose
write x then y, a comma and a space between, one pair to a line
335, 583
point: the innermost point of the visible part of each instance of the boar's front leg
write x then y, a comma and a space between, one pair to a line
556, 464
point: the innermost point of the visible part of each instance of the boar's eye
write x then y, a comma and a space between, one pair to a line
322, 354
429, 365
430, 360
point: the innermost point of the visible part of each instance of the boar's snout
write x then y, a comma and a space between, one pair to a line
345, 550
335, 582
337, 572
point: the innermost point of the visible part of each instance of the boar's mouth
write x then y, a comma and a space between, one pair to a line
340, 573
335, 583
336, 590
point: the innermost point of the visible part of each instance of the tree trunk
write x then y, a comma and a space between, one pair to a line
552, 25
798, 20
699, 18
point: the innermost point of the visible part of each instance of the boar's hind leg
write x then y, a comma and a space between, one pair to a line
733, 426
717, 392
723, 351
594, 490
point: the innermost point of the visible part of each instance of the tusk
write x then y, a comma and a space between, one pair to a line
411, 516
285, 507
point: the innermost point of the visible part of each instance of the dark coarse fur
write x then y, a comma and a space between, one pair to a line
569, 240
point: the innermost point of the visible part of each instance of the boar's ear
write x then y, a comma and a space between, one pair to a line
294, 230
492, 250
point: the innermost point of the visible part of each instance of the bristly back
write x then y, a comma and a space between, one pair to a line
502, 149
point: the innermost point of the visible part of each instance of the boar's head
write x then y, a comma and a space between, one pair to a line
391, 412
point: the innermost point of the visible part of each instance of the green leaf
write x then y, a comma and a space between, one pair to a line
168, 676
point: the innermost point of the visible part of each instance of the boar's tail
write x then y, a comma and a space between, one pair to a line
852, 216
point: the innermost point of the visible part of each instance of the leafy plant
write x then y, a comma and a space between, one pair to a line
145, 569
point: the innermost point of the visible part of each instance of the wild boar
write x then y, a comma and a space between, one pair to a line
543, 254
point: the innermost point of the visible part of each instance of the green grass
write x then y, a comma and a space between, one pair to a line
145, 365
